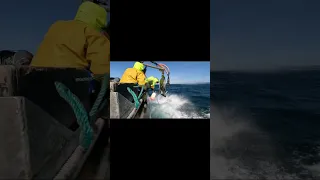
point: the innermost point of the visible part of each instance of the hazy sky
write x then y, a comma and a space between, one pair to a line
180, 72
259, 34
24, 23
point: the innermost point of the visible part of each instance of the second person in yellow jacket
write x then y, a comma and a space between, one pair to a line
78, 43
151, 82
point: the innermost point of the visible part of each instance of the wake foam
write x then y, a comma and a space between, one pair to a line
239, 150
174, 106
315, 167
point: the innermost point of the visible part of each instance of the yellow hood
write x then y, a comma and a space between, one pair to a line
138, 66
92, 14
152, 81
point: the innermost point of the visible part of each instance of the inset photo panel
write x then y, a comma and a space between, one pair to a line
160, 90
155, 90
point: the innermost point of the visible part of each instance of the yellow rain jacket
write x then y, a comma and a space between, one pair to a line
152, 81
134, 75
77, 43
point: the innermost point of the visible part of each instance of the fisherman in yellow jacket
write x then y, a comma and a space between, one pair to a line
77, 43
135, 76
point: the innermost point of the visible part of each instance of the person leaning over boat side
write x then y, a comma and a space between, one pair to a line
130, 78
77, 43
152, 81
150, 84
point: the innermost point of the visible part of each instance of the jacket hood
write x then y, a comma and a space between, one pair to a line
153, 79
92, 14
138, 66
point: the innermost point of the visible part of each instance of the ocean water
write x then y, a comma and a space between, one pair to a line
265, 125
182, 101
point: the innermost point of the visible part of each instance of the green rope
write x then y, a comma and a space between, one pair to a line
86, 136
140, 95
84, 120
135, 98
141, 92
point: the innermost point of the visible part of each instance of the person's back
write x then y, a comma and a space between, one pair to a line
77, 43
134, 75
130, 78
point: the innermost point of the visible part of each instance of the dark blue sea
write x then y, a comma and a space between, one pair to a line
265, 125
183, 101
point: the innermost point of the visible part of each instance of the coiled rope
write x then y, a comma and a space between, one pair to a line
83, 118
136, 99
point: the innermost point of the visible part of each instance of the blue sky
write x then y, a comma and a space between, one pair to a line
24, 23
264, 34
180, 72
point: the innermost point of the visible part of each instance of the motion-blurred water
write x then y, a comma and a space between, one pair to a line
265, 125
182, 101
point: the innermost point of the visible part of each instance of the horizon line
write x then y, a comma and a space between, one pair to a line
192, 83
280, 68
